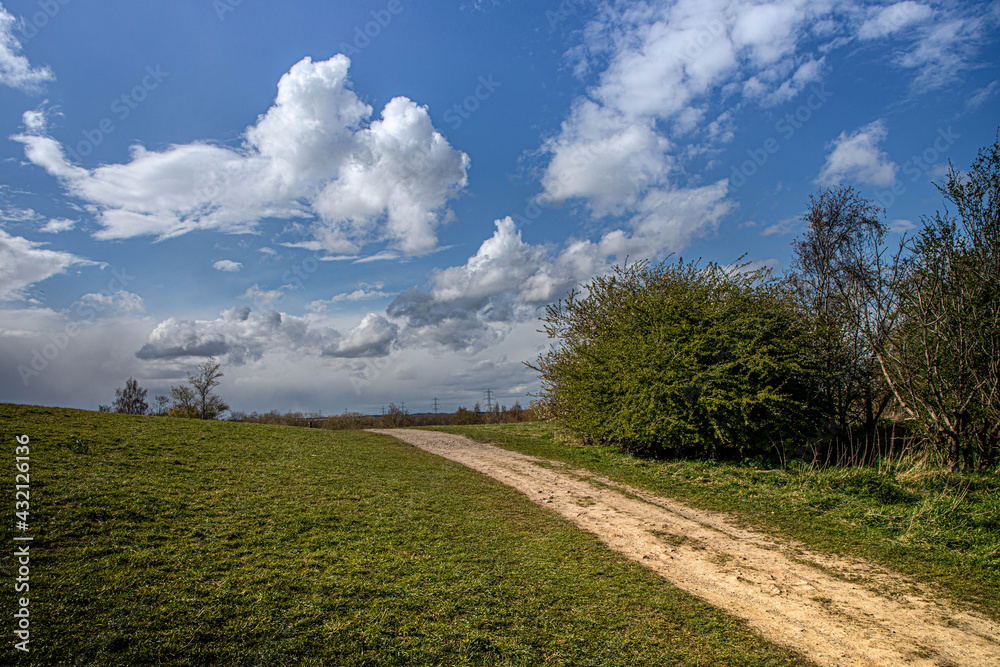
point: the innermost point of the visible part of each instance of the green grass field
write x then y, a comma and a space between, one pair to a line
162, 541
935, 525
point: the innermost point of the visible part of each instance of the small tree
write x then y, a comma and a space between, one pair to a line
184, 402
463, 417
130, 400
197, 399
209, 376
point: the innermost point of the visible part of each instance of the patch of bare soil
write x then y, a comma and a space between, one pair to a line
835, 611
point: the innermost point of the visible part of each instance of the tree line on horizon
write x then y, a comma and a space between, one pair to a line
859, 348
197, 400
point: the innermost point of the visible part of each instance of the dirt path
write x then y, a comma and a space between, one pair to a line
835, 611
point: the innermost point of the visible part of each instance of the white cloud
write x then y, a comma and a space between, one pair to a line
895, 18
782, 227
666, 70
19, 215
24, 263
262, 297
506, 282
227, 265
315, 154
902, 226
383, 256
372, 338
857, 156
942, 52
808, 72
320, 305
15, 70
239, 336
57, 225
980, 97
120, 302
35, 121
937, 41
666, 63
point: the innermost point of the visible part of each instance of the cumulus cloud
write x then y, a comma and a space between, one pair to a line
507, 281
15, 70
24, 263
238, 335
262, 297
372, 338
227, 265
316, 154
618, 150
857, 156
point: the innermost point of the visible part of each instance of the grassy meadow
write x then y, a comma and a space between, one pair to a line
183, 542
938, 526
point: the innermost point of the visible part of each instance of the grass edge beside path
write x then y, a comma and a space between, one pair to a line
935, 526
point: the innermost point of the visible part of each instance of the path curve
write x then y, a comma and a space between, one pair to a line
865, 615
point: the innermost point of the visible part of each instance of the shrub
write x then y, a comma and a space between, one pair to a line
676, 359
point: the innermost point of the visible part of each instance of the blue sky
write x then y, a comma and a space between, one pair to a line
352, 204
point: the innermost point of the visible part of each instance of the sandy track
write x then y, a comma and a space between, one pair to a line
836, 611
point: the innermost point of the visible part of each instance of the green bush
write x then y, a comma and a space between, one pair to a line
676, 359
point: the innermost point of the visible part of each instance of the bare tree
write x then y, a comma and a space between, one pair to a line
162, 406
930, 314
943, 360
130, 400
834, 261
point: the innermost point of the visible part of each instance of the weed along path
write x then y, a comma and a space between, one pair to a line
834, 611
